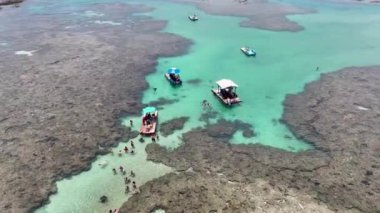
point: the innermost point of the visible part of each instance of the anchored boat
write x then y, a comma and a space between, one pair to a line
193, 18
149, 121
248, 51
226, 92
172, 75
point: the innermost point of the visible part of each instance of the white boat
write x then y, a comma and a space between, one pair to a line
226, 92
248, 51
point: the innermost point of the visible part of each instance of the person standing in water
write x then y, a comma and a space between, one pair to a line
132, 145
131, 122
134, 185
154, 90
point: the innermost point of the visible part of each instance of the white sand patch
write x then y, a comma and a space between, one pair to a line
69, 27
107, 22
24, 52
159, 211
90, 13
363, 108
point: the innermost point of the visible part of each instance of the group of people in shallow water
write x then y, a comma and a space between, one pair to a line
128, 179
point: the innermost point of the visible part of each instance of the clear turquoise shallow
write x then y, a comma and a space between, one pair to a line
336, 36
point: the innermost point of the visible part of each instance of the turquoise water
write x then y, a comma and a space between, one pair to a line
337, 36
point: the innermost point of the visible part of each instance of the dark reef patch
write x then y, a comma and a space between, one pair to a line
61, 107
195, 81
168, 127
10, 2
162, 102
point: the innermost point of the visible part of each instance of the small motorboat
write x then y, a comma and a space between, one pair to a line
248, 51
193, 18
173, 76
149, 121
226, 92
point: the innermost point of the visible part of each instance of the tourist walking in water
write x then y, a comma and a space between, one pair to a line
127, 180
131, 122
132, 145
154, 90
153, 139
125, 149
132, 174
134, 185
204, 102
114, 171
206, 105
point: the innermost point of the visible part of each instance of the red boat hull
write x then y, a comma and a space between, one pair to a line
151, 128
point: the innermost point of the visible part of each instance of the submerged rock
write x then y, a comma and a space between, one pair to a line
10, 2
168, 127
103, 199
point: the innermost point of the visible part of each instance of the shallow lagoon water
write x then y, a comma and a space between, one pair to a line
337, 36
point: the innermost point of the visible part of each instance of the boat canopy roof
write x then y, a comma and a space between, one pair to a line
225, 83
148, 109
174, 70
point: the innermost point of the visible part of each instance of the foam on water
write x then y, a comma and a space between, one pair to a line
24, 52
107, 22
90, 13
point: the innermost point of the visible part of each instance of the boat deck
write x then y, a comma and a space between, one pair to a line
167, 76
226, 101
151, 128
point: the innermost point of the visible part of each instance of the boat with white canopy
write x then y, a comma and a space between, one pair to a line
226, 92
